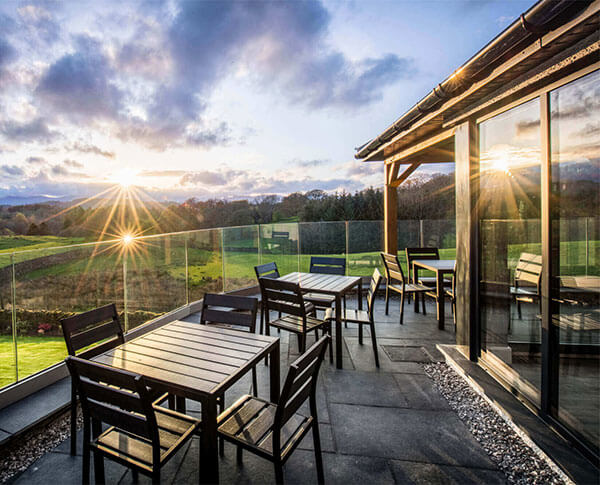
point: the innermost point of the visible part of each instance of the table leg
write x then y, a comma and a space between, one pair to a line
338, 331
415, 272
439, 298
209, 456
274, 372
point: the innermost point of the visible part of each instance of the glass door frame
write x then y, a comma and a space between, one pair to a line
548, 408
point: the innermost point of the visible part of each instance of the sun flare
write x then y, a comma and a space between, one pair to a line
125, 178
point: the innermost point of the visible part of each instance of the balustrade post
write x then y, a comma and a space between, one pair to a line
14, 315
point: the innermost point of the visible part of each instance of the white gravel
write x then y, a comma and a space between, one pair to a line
20, 454
508, 450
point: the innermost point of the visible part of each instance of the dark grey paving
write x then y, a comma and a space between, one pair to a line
409, 472
58, 468
21, 415
366, 388
420, 392
407, 434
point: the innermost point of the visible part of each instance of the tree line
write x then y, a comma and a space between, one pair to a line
430, 199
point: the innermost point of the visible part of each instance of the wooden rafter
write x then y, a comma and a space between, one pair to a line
424, 146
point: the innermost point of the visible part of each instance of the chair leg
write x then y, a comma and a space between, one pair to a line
387, 300
423, 303
221, 409
374, 341
156, 477
330, 343
171, 401
318, 455
85, 478
278, 472
240, 455
262, 319
267, 333
360, 334
73, 421
402, 306
519, 310
254, 383
180, 404
98, 468
344, 308
135, 475
302, 342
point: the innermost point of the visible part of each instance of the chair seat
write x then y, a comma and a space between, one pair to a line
173, 429
250, 421
293, 323
320, 300
432, 281
411, 288
350, 315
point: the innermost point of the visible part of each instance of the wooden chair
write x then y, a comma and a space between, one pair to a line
286, 297
396, 281
86, 329
527, 280
141, 435
325, 265
267, 270
238, 312
362, 317
274, 430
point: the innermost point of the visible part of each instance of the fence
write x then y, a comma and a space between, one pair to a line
152, 275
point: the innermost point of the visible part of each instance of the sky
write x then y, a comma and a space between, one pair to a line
218, 99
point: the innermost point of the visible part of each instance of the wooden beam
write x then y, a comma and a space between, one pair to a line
419, 147
390, 214
404, 175
393, 173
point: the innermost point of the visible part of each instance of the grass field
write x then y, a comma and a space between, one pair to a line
35, 354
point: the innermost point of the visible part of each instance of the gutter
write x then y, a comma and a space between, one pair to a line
544, 16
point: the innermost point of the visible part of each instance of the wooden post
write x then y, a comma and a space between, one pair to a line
390, 213
466, 147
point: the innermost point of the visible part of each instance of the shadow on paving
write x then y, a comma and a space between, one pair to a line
386, 425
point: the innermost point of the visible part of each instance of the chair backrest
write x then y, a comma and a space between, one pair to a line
230, 310
85, 329
371, 293
420, 253
529, 270
282, 296
267, 270
300, 385
326, 265
115, 397
393, 270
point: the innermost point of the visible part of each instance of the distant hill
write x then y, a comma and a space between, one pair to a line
26, 200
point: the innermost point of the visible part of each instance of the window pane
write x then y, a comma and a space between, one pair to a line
575, 133
510, 238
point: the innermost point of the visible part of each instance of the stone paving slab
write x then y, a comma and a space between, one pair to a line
437, 437
420, 392
364, 388
409, 472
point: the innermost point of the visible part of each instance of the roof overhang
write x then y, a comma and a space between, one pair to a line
549, 54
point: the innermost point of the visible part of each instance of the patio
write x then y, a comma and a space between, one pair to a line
380, 426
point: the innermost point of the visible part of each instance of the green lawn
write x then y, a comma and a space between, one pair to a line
35, 354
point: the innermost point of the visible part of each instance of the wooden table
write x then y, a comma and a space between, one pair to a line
197, 362
440, 267
334, 285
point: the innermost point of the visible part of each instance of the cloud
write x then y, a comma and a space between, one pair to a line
80, 85
87, 148
204, 178
39, 22
310, 163
73, 163
36, 160
36, 130
526, 128
162, 173
12, 170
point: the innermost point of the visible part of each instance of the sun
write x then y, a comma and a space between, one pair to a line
125, 178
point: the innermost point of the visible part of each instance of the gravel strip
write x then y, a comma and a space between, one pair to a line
508, 450
20, 454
